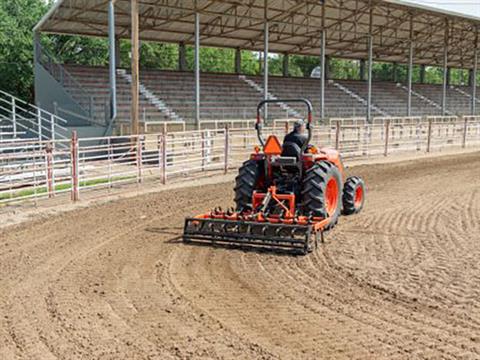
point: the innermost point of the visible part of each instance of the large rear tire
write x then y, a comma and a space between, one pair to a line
322, 192
353, 195
246, 183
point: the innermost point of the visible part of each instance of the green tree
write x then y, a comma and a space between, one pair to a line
17, 19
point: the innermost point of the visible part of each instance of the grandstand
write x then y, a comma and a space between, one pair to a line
231, 97
388, 31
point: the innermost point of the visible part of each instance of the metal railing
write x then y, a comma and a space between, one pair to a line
30, 120
79, 94
33, 169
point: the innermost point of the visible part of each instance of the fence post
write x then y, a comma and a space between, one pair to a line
39, 116
139, 158
14, 117
74, 166
50, 173
465, 129
52, 127
429, 134
365, 139
417, 134
387, 136
164, 157
337, 136
203, 149
227, 146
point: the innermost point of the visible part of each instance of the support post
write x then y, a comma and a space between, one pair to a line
369, 95
197, 70
238, 61
227, 148
474, 75
322, 75
135, 66
410, 69
112, 57
445, 70
422, 73
266, 35
182, 57
74, 166
286, 65
370, 64
363, 76
395, 72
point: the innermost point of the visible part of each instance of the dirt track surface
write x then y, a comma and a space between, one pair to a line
401, 280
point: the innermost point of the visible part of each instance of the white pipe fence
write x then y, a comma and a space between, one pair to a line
23, 118
34, 169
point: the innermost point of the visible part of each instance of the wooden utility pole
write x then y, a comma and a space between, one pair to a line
135, 67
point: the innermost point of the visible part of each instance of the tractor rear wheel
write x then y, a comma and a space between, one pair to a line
322, 192
245, 184
353, 195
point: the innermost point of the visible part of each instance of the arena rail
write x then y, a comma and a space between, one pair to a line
35, 169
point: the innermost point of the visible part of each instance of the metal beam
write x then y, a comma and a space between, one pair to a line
410, 69
322, 66
474, 76
286, 65
322, 76
135, 67
266, 44
370, 64
197, 69
238, 61
113, 60
445, 69
182, 57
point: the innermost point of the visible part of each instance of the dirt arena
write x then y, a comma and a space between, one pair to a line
399, 281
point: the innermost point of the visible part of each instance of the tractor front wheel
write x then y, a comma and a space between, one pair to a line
322, 192
353, 195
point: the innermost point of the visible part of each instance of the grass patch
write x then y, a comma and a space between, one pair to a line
62, 187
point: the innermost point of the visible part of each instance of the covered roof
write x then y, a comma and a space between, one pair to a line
295, 26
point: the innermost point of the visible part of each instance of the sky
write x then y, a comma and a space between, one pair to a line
468, 7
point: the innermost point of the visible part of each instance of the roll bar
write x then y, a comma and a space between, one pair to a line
258, 125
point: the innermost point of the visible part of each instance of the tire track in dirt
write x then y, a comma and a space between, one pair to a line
400, 280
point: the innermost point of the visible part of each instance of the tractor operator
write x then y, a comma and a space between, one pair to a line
297, 136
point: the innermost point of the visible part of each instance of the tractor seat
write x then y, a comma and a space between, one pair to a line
289, 160
292, 150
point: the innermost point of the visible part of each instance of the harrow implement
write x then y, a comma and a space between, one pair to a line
219, 228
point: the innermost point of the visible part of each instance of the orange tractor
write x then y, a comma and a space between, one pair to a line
286, 196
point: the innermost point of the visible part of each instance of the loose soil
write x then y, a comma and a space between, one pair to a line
114, 281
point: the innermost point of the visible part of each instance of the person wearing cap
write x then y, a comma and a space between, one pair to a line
297, 136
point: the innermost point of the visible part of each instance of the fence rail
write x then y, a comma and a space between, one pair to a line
33, 169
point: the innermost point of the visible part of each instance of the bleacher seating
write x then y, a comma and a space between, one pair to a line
337, 102
391, 98
222, 96
457, 103
228, 96
96, 81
